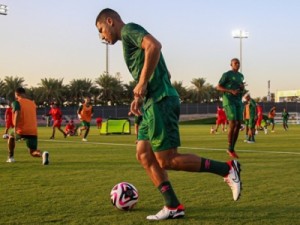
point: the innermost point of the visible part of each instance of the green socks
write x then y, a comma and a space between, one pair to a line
211, 166
169, 195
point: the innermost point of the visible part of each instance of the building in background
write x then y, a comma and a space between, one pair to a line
287, 96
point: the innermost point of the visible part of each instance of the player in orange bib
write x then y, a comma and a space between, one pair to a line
85, 113
25, 122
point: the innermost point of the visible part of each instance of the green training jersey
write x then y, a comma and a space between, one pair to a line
253, 112
285, 115
159, 84
232, 80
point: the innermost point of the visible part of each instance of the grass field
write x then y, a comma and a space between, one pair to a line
75, 187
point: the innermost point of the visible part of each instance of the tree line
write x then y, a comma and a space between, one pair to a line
104, 90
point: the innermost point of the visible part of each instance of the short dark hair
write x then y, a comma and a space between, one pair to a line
107, 13
20, 90
235, 59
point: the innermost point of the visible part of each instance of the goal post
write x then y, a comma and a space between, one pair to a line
116, 126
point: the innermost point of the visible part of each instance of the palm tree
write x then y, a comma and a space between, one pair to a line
111, 89
79, 88
36, 94
11, 84
2, 86
52, 89
198, 89
128, 92
182, 91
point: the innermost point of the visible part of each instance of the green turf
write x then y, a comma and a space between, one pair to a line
75, 187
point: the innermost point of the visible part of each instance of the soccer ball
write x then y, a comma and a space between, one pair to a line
5, 136
124, 196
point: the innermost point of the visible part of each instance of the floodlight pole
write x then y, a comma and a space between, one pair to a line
240, 34
3, 10
106, 71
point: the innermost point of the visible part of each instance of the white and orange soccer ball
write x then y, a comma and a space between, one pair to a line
212, 130
124, 196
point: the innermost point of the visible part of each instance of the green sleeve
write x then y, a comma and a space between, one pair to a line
16, 106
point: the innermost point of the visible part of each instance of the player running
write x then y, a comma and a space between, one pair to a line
221, 119
271, 117
232, 86
85, 113
56, 114
285, 117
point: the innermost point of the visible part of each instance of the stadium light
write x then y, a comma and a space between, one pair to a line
240, 34
103, 42
3, 10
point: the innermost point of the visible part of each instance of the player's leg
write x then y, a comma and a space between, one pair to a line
87, 130
62, 131
32, 144
53, 130
234, 128
11, 142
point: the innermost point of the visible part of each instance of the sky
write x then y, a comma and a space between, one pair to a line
58, 39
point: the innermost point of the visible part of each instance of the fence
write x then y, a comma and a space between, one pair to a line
186, 109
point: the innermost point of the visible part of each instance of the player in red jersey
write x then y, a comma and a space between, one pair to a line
56, 114
8, 119
221, 119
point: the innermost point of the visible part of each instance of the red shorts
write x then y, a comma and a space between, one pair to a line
57, 123
258, 121
221, 121
9, 124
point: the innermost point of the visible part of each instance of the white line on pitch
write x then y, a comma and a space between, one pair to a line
192, 148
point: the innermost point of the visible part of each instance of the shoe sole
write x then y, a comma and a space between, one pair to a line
237, 167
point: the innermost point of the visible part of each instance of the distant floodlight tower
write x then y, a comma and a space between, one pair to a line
3, 10
106, 43
269, 92
240, 34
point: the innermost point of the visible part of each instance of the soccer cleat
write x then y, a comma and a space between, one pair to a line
168, 213
250, 142
232, 154
45, 157
233, 179
10, 160
51, 137
84, 139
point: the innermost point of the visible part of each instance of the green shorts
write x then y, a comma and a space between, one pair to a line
85, 124
234, 111
31, 140
271, 121
138, 120
160, 124
250, 123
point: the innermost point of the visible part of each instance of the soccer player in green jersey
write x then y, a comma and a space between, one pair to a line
158, 102
285, 117
232, 86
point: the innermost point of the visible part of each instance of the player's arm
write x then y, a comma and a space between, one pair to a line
79, 111
152, 49
16, 110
